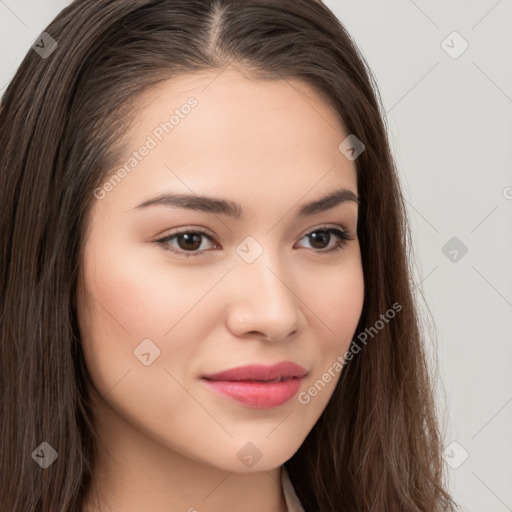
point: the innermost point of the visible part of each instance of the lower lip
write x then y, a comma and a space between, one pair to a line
261, 395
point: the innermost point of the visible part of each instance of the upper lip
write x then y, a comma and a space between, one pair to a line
283, 370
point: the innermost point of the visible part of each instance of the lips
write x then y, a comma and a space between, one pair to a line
258, 386
262, 373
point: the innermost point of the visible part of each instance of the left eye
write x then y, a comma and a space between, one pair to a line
324, 235
190, 241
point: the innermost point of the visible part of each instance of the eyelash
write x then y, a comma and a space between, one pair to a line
342, 234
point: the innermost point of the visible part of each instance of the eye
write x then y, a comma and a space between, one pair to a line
189, 241
323, 236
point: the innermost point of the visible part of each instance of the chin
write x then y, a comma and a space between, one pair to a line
246, 456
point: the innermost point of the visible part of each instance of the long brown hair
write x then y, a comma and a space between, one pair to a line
377, 445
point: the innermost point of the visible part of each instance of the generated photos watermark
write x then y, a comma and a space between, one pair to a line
331, 373
157, 135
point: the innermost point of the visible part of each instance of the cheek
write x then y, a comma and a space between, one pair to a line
130, 301
336, 297
143, 297
338, 309
337, 306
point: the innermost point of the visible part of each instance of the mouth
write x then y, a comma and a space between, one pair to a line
258, 386
262, 373
273, 381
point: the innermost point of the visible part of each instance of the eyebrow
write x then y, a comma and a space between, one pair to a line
232, 209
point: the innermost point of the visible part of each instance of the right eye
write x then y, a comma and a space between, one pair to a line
188, 242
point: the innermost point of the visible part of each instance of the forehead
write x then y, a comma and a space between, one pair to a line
276, 137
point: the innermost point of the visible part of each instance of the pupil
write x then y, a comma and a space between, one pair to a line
323, 238
193, 241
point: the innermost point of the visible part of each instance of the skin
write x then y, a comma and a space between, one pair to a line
167, 441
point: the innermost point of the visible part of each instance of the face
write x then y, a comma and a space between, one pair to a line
174, 290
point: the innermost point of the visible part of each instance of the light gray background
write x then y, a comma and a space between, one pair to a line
450, 124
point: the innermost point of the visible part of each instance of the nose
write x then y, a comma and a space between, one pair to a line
263, 301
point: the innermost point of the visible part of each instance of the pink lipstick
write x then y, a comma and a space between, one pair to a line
258, 386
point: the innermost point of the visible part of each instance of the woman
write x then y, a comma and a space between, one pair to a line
261, 374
